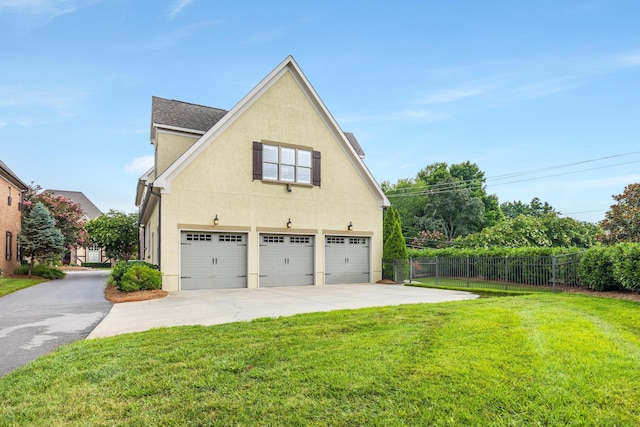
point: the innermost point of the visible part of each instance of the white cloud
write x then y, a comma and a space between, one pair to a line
140, 165
446, 96
177, 7
50, 9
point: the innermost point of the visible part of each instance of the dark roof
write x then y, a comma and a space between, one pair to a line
87, 206
355, 144
170, 112
8, 174
184, 115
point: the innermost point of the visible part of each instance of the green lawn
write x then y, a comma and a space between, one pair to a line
539, 359
8, 285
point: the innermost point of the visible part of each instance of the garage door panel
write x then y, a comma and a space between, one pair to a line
213, 260
347, 260
286, 260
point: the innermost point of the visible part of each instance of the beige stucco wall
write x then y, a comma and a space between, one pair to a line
168, 147
10, 220
219, 182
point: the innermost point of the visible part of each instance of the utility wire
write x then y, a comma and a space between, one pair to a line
449, 187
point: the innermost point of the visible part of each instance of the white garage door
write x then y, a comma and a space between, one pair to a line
346, 259
286, 260
213, 260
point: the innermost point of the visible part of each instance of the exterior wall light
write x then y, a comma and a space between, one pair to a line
289, 223
350, 226
215, 220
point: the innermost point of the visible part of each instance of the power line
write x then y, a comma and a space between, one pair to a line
458, 185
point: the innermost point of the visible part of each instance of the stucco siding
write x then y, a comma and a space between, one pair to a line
219, 181
170, 146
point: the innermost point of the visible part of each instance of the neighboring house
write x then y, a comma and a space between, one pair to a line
78, 254
270, 193
10, 218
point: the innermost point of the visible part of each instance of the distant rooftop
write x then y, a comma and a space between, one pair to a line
87, 206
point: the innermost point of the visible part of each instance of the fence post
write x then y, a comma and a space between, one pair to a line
468, 271
554, 269
506, 272
436, 270
410, 270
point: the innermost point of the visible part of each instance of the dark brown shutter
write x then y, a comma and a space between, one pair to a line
315, 166
257, 160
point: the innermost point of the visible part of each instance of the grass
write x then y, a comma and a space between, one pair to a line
8, 285
539, 359
472, 284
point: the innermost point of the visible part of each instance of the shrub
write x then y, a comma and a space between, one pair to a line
140, 277
122, 267
595, 270
41, 270
626, 266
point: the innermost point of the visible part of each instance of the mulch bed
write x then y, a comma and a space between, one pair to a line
116, 296
628, 295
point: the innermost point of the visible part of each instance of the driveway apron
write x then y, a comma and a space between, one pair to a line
39, 319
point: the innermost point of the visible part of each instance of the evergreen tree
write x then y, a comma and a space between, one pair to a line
39, 237
394, 244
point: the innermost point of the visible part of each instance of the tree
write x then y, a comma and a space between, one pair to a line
394, 245
622, 220
116, 232
548, 230
39, 237
535, 208
421, 200
67, 214
455, 212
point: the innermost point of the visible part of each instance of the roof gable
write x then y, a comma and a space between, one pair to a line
11, 177
183, 115
348, 143
87, 206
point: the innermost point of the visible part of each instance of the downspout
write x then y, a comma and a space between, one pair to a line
159, 225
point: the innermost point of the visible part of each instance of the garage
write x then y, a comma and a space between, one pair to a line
213, 260
346, 259
286, 260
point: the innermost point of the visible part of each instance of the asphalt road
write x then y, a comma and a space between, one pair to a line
39, 319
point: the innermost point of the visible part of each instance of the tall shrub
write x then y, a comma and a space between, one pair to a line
626, 266
394, 245
595, 270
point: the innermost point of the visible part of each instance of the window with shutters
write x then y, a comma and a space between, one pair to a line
287, 164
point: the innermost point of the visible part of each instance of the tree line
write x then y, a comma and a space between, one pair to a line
446, 205
54, 224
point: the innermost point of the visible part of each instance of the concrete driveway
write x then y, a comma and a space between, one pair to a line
212, 307
37, 320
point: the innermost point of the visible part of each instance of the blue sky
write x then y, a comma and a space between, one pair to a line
542, 95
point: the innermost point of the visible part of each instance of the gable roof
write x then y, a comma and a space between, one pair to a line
87, 206
287, 66
172, 114
11, 177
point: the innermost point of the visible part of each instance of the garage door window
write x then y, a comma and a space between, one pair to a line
230, 238
302, 240
272, 239
192, 237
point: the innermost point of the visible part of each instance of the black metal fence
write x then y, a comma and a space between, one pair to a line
547, 273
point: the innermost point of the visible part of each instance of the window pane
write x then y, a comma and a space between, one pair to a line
304, 158
270, 153
287, 173
288, 156
304, 175
270, 171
